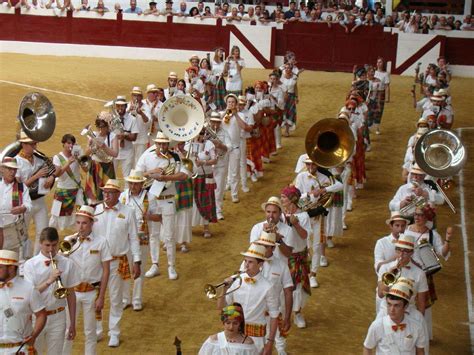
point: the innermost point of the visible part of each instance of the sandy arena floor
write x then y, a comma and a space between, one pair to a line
340, 311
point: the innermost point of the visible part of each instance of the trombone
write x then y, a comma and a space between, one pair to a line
212, 291
60, 292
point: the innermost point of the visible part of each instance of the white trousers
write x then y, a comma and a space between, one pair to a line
138, 150
280, 342
137, 283
220, 175
234, 171
51, 339
39, 215
243, 162
277, 131
168, 211
259, 343
155, 228
126, 164
316, 243
85, 301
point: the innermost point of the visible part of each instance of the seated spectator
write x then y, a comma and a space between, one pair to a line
194, 12
280, 17
360, 20
389, 22
433, 22
250, 15
329, 20
219, 12
291, 11
117, 8
457, 25
411, 26
395, 17
152, 8
258, 11
207, 13
341, 18
265, 18
369, 19
305, 10
182, 11
84, 6
200, 7
168, 11
241, 10
443, 24
379, 17
234, 17
466, 23
279, 7
424, 26
314, 16
19, 4
100, 8
133, 9
225, 9
297, 17
351, 24
451, 20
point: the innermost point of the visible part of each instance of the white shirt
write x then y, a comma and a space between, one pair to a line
107, 140
217, 68
151, 160
306, 183
119, 228
233, 128
38, 269
64, 181
276, 271
234, 80
6, 202
299, 244
248, 119
88, 257
21, 300
384, 250
384, 78
255, 298
224, 137
421, 238
387, 341
278, 95
290, 83
143, 127
26, 169
205, 152
283, 229
407, 190
137, 205
130, 126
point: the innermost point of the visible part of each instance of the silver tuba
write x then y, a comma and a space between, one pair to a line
441, 154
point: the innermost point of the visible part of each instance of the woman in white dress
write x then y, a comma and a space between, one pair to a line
231, 341
422, 230
233, 68
384, 89
218, 93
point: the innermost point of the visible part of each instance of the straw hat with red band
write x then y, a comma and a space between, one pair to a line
255, 251
136, 90
10, 162
86, 211
172, 75
120, 100
151, 88
161, 138
215, 116
266, 239
405, 242
272, 201
112, 184
415, 169
24, 138
8, 257
402, 290
135, 176
395, 216
231, 95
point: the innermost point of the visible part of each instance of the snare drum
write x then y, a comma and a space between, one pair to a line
429, 260
15, 234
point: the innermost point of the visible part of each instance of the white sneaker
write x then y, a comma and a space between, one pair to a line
114, 341
313, 282
368, 149
220, 216
235, 199
184, 249
154, 271
344, 226
172, 275
100, 335
330, 243
299, 320
126, 304
137, 307
245, 189
227, 187
323, 262
254, 177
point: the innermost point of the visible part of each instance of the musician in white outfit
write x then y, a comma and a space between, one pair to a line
91, 257
117, 224
154, 163
144, 206
244, 135
143, 119
14, 203
151, 106
32, 170
233, 122
126, 137
172, 82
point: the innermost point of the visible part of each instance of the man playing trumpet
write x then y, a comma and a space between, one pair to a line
91, 256
49, 272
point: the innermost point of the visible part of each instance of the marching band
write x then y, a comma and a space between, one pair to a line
176, 167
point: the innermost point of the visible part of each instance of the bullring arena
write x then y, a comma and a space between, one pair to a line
340, 311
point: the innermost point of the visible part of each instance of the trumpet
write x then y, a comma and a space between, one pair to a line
228, 116
389, 278
60, 292
211, 291
67, 245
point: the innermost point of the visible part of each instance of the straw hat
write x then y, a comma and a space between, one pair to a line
242, 100
405, 242
231, 95
120, 100
415, 169
8, 257
395, 216
422, 121
136, 90
266, 239
194, 56
256, 251
86, 211
308, 161
24, 138
111, 184
10, 162
272, 201
135, 176
172, 74
151, 88
402, 290
215, 116
161, 138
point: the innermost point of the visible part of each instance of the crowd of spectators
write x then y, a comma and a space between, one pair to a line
349, 16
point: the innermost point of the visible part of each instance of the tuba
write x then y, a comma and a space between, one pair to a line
441, 154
